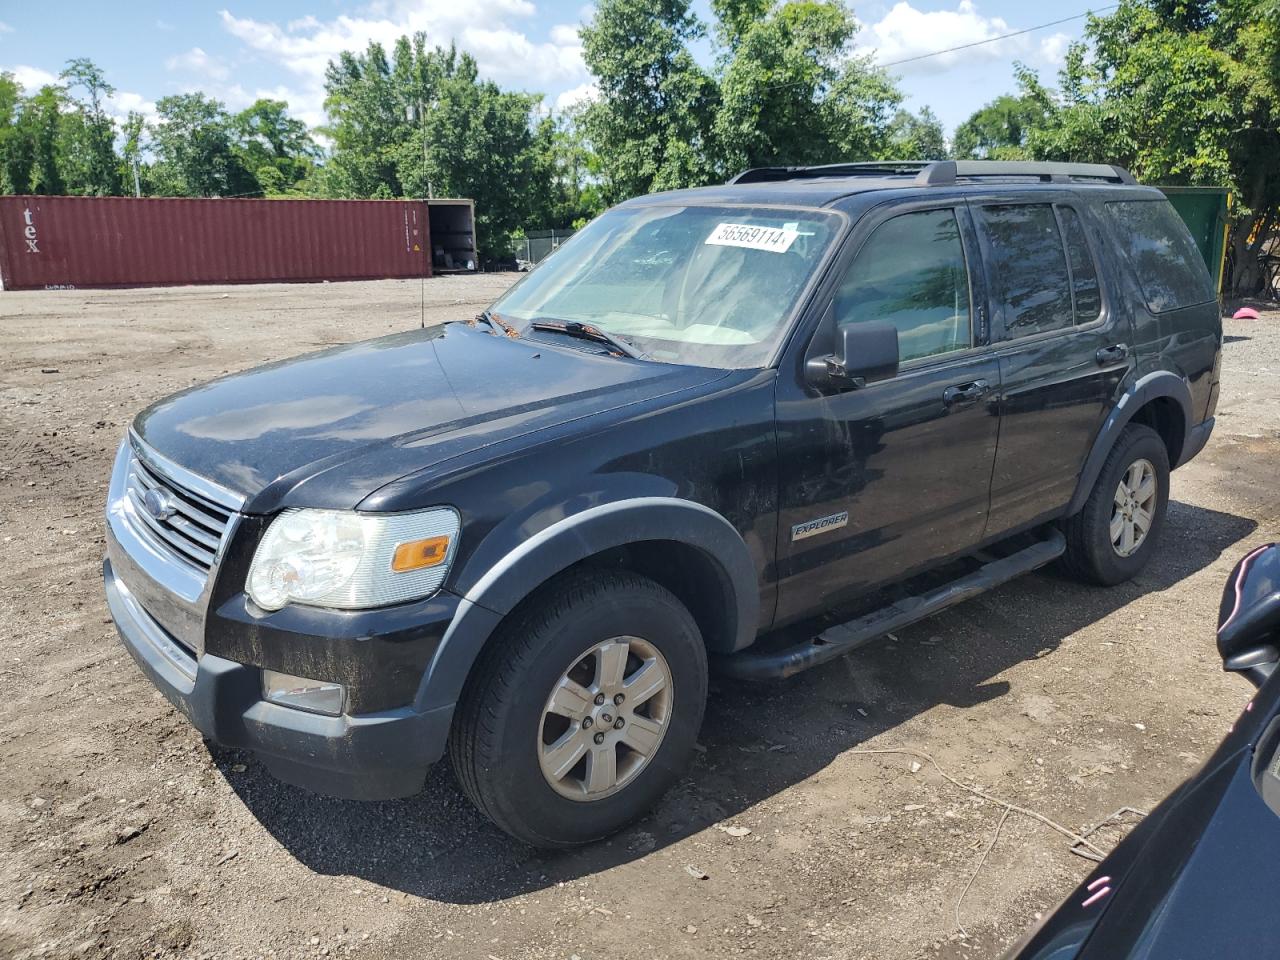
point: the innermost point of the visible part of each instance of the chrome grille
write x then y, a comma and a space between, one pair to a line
190, 526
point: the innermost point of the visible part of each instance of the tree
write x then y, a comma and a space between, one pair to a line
790, 92
370, 117
16, 154
195, 149
652, 124
473, 140
915, 136
88, 133
273, 146
1000, 129
567, 164
39, 123
133, 130
1182, 92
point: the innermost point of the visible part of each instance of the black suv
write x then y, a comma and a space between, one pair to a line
712, 414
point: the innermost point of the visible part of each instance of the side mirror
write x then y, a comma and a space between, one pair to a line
1249, 618
864, 352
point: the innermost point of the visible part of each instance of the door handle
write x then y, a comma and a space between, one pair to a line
965, 393
1112, 354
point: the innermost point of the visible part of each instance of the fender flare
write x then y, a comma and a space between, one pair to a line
549, 551
1160, 383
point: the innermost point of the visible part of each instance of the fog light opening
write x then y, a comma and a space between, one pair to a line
301, 693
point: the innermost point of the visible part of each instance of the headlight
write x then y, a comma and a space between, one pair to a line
337, 558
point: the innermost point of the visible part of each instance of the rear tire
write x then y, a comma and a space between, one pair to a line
540, 729
1113, 536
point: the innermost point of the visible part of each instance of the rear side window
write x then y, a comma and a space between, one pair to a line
1169, 267
1084, 274
1030, 269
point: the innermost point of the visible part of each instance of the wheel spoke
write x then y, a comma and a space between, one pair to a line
559, 758
1126, 537
1142, 520
602, 768
570, 699
1117, 526
1122, 495
642, 735
1134, 476
644, 683
611, 665
1146, 489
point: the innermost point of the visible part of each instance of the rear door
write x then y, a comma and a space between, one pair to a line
889, 478
1063, 346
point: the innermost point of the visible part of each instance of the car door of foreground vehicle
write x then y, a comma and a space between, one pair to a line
1064, 344
879, 481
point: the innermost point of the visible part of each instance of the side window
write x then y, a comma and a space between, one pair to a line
1169, 267
911, 273
1084, 273
1029, 268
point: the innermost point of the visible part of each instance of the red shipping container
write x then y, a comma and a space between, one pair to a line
68, 242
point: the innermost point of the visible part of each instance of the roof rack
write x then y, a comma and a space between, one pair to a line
935, 173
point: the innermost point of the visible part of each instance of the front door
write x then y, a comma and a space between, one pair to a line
880, 481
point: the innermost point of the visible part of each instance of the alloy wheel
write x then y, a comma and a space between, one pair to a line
605, 719
1133, 507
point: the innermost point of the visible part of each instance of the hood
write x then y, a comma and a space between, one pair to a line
341, 423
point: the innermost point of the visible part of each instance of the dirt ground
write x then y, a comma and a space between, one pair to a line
123, 834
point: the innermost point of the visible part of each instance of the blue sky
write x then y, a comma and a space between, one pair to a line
238, 50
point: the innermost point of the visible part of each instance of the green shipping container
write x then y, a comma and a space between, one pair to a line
1204, 210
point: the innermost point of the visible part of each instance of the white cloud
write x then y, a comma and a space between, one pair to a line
1053, 49
905, 32
5, 28
31, 78
483, 28
123, 102
584, 93
198, 62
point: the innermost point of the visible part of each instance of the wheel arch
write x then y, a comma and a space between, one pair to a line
688, 548
1160, 400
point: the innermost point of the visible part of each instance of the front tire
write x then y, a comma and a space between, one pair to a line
1113, 536
583, 710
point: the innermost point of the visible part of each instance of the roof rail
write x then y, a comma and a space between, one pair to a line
934, 173
942, 172
870, 168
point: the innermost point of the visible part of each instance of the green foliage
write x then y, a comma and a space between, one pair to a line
40, 123
569, 168
474, 141
422, 123
790, 93
87, 134
275, 148
196, 154
1182, 92
16, 153
652, 124
1000, 130
915, 136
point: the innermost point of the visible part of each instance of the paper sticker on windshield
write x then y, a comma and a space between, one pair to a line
771, 239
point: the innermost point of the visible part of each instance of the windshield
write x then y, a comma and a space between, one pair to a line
711, 286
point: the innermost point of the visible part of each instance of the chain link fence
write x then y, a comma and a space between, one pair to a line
537, 244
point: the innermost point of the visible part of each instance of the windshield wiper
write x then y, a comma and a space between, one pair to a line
585, 331
497, 323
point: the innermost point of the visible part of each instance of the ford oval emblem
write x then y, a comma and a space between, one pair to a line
158, 504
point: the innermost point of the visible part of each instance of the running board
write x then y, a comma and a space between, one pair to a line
841, 639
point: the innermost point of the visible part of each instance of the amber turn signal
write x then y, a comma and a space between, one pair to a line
419, 554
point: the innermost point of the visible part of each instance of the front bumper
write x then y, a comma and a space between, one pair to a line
371, 756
